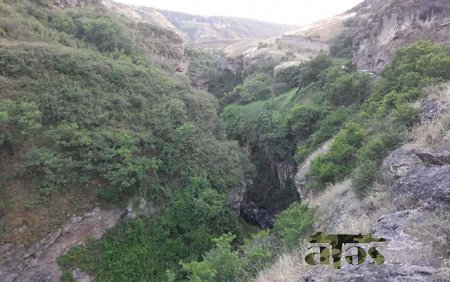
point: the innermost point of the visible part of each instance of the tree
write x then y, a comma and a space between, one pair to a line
293, 223
219, 264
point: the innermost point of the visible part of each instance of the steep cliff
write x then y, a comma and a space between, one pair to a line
384, 26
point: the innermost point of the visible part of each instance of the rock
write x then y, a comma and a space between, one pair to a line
251, 213
433, 109
427, 187
437, 157
236, 196
139, 207
69, 3
80, 276
400, 163
38, 262
384, 26
406, 258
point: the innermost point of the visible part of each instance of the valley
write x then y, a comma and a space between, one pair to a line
139, 144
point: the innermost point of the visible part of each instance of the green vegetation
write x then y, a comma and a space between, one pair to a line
145, 249
385, 115
336, 100
87, 106
224, 263
203, 72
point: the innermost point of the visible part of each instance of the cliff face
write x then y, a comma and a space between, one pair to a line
384, 26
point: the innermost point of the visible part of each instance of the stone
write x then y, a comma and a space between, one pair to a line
400, 163
81, 276
432, 109
39, 261
406, 258
251, 213
384, 26
427, 187
438, 157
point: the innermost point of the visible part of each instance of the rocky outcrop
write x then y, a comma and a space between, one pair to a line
406, 258
432, 109
400, 163
434, 156
426, 187
384, 26
39, 262
420, 179
302, 42
69, 3
251, 213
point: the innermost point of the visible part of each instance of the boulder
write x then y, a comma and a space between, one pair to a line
427, 187
433, 109
437, 157
251, 213
400, 163
406, 258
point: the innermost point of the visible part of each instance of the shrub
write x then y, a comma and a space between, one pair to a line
349, 89
54, 171
406, 115
106, 35
62, 22
364, 175
257, 251
339, 161
293, 224
18, 120
289, 76
302, 119
219, 264
342, 45
310, 71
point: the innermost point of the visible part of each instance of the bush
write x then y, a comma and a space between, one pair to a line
53, 170
364, 175
342, 45
339, 161
257, 252
309, 71
106, 35
349, 89
62, 22
406, 115
18, 120
302, 119
219, 264
289, 76
293, 224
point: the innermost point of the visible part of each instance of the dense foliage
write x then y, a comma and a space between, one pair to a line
87, 106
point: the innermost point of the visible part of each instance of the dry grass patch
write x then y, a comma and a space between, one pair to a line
287, 267
439, 92
339, 210
434, 229
430, 134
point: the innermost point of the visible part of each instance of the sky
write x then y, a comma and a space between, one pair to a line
295, 12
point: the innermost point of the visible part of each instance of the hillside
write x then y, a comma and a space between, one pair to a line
200, 28
196, 29
146, 145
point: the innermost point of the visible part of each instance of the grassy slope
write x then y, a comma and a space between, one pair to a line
85, 120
